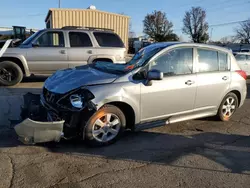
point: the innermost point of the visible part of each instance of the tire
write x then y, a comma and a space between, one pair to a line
98, 124
223, 112
10, 73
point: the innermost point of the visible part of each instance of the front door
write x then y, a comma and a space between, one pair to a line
213, 79
48, 53
175, 94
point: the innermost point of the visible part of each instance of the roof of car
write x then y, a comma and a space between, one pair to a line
167, 44
80, 29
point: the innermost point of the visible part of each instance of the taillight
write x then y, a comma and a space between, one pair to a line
242, 73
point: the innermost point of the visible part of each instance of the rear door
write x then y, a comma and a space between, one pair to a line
213, 78
81, 48
48, 53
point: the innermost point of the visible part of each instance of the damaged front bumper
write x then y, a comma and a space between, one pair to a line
43, 122
35, 127
31, 132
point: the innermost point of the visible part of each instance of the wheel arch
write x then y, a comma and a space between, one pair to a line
101, 58
20, 61
238, 94
128, 111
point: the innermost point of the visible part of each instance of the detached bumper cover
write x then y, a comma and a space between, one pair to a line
31, 132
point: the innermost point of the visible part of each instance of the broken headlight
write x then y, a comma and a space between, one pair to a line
76, 100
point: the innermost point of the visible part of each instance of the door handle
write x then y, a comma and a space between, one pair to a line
62, 51
225, 78
89, 52
189, 82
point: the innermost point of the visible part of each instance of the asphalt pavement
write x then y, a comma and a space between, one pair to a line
198, 153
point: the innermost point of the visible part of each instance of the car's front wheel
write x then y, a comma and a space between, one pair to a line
105, 126
228, 107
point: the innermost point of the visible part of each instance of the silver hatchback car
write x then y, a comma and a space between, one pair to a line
163, 83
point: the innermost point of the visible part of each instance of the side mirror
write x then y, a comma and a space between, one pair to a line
35, 45
153, 75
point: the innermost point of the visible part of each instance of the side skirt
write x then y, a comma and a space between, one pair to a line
173, 119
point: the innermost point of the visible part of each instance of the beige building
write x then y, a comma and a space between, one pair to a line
58, 18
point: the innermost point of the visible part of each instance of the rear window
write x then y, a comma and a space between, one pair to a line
108, 40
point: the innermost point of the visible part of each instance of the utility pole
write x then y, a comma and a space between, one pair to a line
211, 34
59, 3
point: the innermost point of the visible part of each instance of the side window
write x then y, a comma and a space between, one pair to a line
207, 60
108, 40
51, 39
79, 39
223, 61
240, 57
174, 62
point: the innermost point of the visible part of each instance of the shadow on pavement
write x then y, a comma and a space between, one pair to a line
230, 151
34, 79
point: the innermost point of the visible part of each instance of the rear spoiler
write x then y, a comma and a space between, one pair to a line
5, 46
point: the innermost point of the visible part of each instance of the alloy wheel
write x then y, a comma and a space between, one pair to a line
106, 127
229, 107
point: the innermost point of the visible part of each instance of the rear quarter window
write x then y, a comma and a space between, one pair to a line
108, 40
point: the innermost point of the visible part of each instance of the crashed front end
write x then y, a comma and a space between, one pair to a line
52, 116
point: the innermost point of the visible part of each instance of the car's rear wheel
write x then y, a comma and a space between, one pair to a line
10, 73
228, 107
105, 126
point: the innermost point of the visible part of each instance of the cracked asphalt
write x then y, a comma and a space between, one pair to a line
198, 153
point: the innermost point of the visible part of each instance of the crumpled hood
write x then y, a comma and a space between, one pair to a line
66, 80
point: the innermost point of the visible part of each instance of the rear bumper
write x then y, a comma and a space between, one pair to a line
243, 96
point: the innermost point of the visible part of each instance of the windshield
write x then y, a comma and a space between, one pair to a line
139, 60
30, 39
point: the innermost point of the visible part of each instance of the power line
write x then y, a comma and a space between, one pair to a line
227, 23
220, 24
